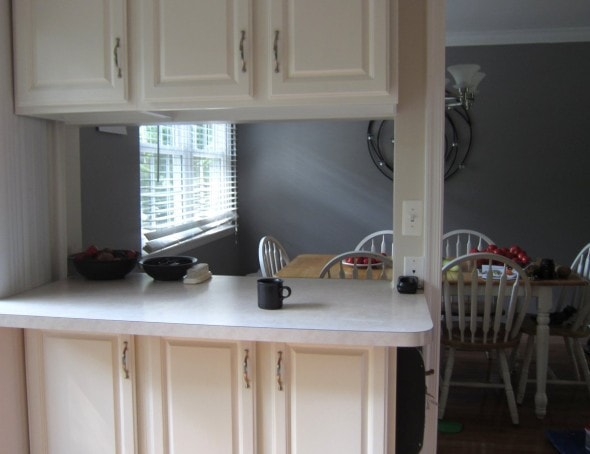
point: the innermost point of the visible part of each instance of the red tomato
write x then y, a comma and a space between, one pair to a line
515, 249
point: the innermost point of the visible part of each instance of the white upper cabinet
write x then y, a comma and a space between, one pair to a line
196, 50
189, 60
329, 47
70, 56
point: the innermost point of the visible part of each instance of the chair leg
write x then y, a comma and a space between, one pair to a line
444, 389
570, 345
524, 370
505, 369
582, 362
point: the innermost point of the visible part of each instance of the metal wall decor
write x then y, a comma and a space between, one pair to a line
381, 143
458, 139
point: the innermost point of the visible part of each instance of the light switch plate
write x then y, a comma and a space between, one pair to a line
412, 214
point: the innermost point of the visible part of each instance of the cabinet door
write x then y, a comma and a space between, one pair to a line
329, 47
329, 399
80, 393
70, 53
196, 50
196, 396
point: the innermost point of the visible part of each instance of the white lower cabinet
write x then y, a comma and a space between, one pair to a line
324, 399
204, 396
263, 398
79, 392
195, 396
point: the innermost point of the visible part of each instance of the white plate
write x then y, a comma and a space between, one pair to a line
497, 271
362, 265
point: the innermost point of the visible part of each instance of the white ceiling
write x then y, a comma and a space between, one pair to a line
481, 22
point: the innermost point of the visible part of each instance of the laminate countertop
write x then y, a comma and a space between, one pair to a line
319, 311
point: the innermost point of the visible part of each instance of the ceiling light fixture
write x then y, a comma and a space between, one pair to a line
467, 77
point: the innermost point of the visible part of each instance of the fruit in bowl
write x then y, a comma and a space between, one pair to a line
104, 264
514, 252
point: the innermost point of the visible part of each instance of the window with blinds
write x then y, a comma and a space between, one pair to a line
188, 185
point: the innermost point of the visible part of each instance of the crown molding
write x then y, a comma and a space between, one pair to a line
523, 36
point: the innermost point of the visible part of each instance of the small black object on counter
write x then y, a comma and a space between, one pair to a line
407, 284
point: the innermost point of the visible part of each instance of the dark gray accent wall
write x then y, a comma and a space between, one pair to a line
526, 179
109, 169
311, 185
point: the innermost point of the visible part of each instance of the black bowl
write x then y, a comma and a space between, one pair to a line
103, 270
171, 268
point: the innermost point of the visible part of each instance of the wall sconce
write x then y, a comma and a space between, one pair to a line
467, 78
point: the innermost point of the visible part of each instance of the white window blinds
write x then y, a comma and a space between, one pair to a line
188, 184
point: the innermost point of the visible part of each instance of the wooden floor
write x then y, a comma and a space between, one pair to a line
486, 423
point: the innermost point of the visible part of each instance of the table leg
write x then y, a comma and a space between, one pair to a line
544, 304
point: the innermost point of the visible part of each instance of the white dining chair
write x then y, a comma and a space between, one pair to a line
380, 241
272, 256
499, 302
571, 322
341, 268
460, 242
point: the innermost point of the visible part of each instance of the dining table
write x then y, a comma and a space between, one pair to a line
310, 265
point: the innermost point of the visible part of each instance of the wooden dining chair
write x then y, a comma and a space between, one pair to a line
460, 242
499, 302
571, 322
352, 265
380, 241
272, 256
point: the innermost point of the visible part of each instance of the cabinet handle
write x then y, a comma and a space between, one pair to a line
242, 51
276, 51
116, 55
124, 359
246, 376
280, 371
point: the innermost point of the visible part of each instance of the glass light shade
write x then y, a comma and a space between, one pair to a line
475, 80
463, 74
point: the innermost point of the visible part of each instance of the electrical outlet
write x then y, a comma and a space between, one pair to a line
414, 266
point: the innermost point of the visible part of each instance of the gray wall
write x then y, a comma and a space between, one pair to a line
311, 185
526, 179
109, 169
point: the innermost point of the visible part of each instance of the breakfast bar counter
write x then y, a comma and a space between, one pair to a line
149, 362
342, 312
